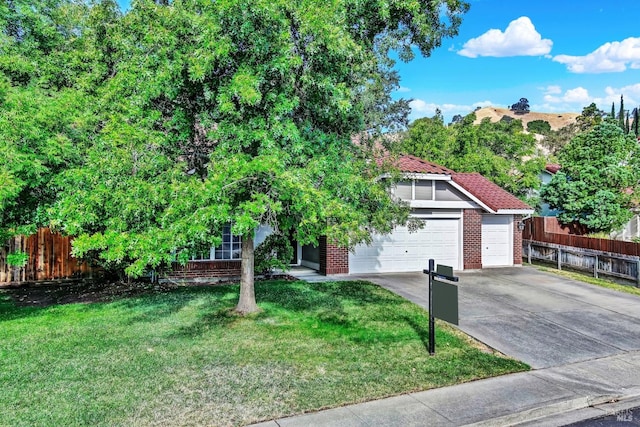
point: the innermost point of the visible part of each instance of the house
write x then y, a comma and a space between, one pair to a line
469, 223
545, 177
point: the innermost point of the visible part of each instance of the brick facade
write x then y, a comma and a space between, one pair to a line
205, 269
333, 259
472, 239
517, 241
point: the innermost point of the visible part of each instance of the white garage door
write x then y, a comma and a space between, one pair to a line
403, 251
497, 242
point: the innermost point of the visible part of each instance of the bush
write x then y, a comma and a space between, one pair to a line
539, 126
274, 252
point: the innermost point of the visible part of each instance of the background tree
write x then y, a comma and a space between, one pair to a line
590, 117
456, 119
627, 127
598, 177
556, 139
428, 138
242, 113
500, 151
521, 107
621, 113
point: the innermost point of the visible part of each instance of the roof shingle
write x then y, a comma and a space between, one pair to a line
412, 164
489, 193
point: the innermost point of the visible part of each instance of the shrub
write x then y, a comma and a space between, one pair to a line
539, 126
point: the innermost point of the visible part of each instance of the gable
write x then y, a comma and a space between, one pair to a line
429, 190
460, 190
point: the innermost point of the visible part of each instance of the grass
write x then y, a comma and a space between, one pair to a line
586, 278
181, 357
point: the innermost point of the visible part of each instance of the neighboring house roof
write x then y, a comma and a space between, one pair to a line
488, 193
552, 168
412, 164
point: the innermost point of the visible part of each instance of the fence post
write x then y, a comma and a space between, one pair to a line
529, 251
595, 267
559, 259
638, 274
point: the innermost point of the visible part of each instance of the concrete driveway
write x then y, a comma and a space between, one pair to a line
539, 318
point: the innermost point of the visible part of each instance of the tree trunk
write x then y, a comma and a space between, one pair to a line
247, 302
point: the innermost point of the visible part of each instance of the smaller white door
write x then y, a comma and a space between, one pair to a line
497, 240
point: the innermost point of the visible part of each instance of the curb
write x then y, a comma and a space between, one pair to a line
596, 409
546, 411
566, 412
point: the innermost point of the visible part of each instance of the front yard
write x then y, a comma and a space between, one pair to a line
180, 357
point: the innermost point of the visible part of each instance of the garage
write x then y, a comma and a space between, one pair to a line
497, 241
402, 251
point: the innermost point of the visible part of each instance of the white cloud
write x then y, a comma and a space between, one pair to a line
403, 89
420, 108
578, 95
577, 98
552, 90
611, 57
519, 39
631, 97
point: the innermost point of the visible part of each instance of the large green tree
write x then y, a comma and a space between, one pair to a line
429, 138
49, 70
242, 112
599, 175
501, 151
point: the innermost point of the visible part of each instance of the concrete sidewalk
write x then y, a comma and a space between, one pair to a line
582, 341
545, 397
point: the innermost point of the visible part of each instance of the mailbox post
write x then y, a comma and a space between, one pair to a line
447, 296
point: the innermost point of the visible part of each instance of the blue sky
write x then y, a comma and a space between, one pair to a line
561, 55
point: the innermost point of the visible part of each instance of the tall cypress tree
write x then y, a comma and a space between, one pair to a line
626, 124
621, 113
635, 121
613, 110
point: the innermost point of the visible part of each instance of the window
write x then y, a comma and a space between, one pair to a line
424, 190
404, 190
229, 249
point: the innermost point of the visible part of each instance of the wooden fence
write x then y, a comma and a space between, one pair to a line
49, 259
547, 230
599, 256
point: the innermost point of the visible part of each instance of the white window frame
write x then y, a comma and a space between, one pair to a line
229, 250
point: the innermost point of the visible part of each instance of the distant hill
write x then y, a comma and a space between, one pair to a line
556, 120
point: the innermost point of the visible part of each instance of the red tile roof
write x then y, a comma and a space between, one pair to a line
552, 168
412, 164
489, 193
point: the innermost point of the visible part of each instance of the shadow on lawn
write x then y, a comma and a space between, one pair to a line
324, 302
30, 300
302, 296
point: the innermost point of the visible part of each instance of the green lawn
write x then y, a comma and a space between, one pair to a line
180, 357
588, 278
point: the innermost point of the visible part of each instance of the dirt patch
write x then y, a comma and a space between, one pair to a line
556, 120
45, 295
93, 291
